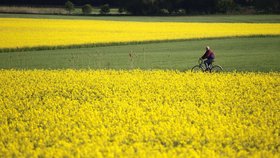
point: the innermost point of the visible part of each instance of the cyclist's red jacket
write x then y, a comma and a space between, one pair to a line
209, 55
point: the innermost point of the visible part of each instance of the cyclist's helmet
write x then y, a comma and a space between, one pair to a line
207, 48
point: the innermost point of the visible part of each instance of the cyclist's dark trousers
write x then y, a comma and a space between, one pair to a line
208, 62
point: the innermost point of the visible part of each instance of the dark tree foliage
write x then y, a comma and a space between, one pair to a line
69, 6
245, 2
155, 7
268, 5
105, 9
87, 9
172, 6
200, 6
225, 6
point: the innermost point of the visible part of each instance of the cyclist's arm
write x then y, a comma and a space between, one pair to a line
204, 56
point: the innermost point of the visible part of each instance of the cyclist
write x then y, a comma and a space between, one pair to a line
209, 56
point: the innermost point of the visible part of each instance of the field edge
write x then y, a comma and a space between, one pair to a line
91, 45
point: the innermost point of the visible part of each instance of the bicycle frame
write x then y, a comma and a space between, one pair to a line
202, 67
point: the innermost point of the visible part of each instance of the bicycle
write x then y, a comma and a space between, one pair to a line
202, 68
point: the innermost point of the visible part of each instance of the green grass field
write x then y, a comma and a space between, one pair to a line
240, 54
204, 18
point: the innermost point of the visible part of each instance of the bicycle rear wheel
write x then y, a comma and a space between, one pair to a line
216, 68
197, 68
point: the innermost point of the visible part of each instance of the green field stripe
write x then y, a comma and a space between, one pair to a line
266, 18
240, 54
90, 45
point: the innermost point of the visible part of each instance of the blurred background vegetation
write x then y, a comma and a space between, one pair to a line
141, 7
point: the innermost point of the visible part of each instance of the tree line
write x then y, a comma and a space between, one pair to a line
165, 7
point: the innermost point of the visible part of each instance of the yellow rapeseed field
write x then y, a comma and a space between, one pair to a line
20, 32
156, 113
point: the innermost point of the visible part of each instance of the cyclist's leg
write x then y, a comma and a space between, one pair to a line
206, 64
210, 63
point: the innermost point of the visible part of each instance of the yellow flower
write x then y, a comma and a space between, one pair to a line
20, 32
108, 113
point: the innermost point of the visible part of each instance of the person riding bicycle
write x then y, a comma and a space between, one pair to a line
209, 56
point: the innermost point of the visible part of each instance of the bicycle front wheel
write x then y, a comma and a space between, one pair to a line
216, 68
197, 68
